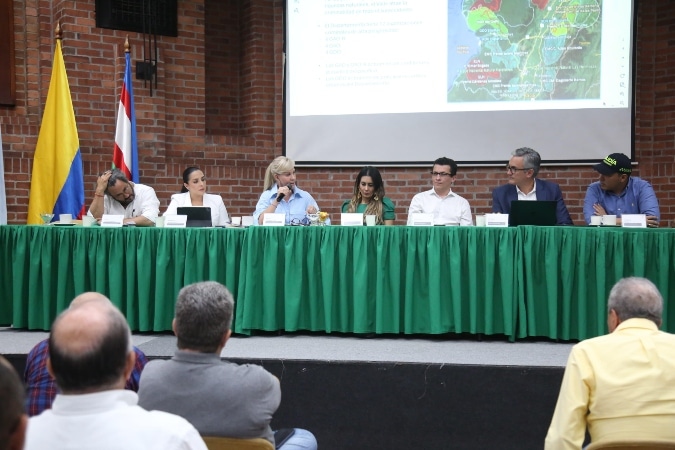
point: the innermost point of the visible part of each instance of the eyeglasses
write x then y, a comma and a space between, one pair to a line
300, 223
440, 174
516, 169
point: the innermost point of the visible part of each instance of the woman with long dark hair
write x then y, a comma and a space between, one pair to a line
369, 199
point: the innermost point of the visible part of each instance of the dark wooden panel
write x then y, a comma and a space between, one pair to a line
7, 80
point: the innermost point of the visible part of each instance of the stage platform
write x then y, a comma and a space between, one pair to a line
392, 391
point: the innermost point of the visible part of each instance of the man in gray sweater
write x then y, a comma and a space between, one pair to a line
218, 397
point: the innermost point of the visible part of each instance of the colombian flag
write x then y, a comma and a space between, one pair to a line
125, 154
57, 183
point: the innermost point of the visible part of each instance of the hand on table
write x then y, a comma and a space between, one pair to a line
652, 222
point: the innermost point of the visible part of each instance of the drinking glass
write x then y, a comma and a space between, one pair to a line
46, 218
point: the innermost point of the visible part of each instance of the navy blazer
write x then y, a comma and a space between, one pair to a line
502, 197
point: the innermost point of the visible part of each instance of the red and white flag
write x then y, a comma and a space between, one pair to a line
125, 155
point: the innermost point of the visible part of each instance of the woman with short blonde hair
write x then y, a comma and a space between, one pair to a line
282, 196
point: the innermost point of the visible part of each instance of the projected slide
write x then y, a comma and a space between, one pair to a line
550, 51
401, 81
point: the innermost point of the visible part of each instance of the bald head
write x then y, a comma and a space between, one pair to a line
12, 417
89, 296
89, 346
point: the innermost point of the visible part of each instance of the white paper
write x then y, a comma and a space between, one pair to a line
634, 220
112, 220
496, 220
175, 220
421, 220
351, 219
274, 220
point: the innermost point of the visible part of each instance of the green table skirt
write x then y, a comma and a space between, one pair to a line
379, 279
518, 282
141, 270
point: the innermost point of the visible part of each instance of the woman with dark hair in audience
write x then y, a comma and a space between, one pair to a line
369, 197
194, 194
282, 195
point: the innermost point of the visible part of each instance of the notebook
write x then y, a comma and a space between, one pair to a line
197, 216
538, 212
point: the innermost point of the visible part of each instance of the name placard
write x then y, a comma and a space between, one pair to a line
175, 221
351, 219
634, 220
274, 220
421, 220
496, 220
112, 220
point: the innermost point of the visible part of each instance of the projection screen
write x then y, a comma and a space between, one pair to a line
404, 82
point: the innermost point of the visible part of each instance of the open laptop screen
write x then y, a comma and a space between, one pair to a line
538, 212
197, 216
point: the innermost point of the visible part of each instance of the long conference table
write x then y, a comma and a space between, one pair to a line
519, 282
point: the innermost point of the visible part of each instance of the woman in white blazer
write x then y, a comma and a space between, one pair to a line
194, 194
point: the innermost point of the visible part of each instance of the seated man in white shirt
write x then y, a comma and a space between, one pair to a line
91, 357
115, 194
446, 206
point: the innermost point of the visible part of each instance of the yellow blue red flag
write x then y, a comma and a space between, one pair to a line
57, 183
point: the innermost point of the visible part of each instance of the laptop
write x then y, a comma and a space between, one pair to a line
536, 212
197, 216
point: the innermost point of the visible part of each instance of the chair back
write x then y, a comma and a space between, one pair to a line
228, 443
632, 445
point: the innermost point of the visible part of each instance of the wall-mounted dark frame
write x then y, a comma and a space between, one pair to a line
128, 15
7, 63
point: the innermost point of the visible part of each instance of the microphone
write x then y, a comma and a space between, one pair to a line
281, 195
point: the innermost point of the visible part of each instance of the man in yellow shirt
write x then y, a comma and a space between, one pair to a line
620, 386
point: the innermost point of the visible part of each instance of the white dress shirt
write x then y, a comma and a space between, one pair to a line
219, 215
145, 204
108, 420
449, 209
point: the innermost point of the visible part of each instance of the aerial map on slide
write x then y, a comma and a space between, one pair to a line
523, 50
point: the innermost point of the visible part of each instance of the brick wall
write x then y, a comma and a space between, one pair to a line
219, 105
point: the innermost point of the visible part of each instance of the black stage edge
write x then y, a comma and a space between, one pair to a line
361, 405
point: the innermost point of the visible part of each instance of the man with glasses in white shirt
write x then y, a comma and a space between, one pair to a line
522, 170
446, 206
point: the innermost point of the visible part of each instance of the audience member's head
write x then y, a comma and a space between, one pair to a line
203, 317
633, 298
13, 419
531, 159
90, 346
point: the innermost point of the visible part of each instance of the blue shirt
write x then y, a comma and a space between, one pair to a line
294, 208
637, 198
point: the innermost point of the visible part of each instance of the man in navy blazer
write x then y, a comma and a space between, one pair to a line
522, 169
